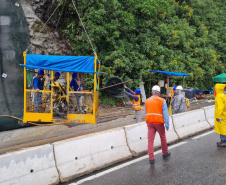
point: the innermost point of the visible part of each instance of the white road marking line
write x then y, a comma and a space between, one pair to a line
199, 136
122, 165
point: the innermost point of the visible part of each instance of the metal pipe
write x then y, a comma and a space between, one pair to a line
114, 85
116, 115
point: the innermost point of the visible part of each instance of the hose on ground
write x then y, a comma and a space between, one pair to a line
31, 123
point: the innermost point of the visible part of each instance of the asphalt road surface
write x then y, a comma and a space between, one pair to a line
194, 161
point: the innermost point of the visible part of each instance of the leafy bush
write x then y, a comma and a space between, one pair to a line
104, 98
133, 36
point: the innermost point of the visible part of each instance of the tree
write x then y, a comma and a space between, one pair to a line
132, 36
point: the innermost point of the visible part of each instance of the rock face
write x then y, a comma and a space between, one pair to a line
43, 8
42, 38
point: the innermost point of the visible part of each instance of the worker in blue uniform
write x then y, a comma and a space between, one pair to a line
38, 84
76, 86
75, 83
56, 77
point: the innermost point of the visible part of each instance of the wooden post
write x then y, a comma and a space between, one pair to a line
183, 82
167, 92
150, 86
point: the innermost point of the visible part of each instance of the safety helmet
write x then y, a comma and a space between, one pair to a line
175, 88
179, 87
74, 75
138, 91
156, 88
41, 72
57, 74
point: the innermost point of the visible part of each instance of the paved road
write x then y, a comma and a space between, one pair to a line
194, 161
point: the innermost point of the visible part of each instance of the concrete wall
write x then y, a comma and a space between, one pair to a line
14, 39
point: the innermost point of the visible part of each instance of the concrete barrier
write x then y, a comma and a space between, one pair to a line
84, 154
32, 166
137, 137
171, 135
209, 112
190, 123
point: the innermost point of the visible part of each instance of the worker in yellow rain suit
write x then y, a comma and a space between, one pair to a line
220, 114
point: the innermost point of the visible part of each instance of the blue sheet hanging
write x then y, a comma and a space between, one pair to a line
170, 73
81, 64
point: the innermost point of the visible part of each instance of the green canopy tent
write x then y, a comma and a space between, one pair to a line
220, 78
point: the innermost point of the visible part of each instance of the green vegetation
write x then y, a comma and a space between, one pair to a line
103, 98
133, 36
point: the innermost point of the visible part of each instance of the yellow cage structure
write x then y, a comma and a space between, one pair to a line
55, 96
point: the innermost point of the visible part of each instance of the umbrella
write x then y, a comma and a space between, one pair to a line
220, 78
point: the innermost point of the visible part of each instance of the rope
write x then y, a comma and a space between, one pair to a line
60, 14
84, 27
46, 22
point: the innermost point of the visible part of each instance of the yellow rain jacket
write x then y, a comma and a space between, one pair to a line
220, 109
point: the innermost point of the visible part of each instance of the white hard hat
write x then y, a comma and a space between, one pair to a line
156, 88
179, 87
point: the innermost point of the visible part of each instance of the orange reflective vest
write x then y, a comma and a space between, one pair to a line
136, 104
154, 112
214, 90
78, 82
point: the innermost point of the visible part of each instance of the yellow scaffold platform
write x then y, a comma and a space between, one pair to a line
58, 102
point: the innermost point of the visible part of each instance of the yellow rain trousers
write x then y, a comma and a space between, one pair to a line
220, 109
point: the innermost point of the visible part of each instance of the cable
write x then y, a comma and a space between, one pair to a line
31, 123
60, 14
84, 27
61, 123
46, 22
7, 116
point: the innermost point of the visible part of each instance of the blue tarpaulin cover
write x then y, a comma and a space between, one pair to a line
82, 64
170, 73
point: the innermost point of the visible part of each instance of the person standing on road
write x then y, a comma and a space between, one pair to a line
156, 115
136, 102
174, 97
179, 105
172, 101
220, 114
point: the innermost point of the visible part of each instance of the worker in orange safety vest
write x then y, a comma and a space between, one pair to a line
136, 102
156, 115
